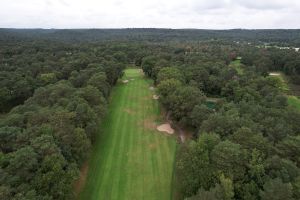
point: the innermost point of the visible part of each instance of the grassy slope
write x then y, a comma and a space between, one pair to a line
131, 160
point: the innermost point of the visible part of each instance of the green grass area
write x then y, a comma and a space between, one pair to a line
131, 160
294, 102
236, 64
282, 82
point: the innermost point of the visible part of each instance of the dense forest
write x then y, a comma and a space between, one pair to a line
283, 37
53, 98
247, 145
56, 84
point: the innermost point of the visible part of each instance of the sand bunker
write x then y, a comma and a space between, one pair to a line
125, 81
274, 74
155, 97
165, 128
151, 88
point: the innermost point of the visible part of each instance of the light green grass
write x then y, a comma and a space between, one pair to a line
130, 159
236, 64
282, 82
294, 102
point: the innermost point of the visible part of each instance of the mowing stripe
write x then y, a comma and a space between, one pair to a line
131, 160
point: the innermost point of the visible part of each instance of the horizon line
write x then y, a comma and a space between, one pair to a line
123, 28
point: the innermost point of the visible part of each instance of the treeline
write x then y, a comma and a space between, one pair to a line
26, 66
275, 36
273, 59
245, 146
59, 95
54, 95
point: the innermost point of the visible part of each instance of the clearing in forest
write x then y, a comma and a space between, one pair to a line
236, 64
293, 101
282, 82
131, 159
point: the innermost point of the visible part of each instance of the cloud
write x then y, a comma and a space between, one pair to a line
212, 14
262, 5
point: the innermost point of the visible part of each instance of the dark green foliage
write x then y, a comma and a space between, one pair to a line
222, 191
199, 114
148, 65
258, 131
55, 89
195, 166
99, 81
290, 148
275, 189
183, 100
229, 158
170, 73
45, 141
223, 125
250, 140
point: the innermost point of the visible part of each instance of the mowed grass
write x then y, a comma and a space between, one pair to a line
131, 160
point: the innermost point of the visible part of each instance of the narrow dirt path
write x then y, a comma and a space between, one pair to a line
181, 133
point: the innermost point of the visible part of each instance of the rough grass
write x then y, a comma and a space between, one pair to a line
237, 65
294, 102
283, 85
130, 159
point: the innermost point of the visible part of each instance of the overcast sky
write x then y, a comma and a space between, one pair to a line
204, 14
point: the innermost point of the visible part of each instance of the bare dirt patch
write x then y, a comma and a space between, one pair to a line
151, 88
183, 134
80, 182
125, 81
141, 71
165, 128
152, 146
149, 124
155, 97
147, 98
129, 111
